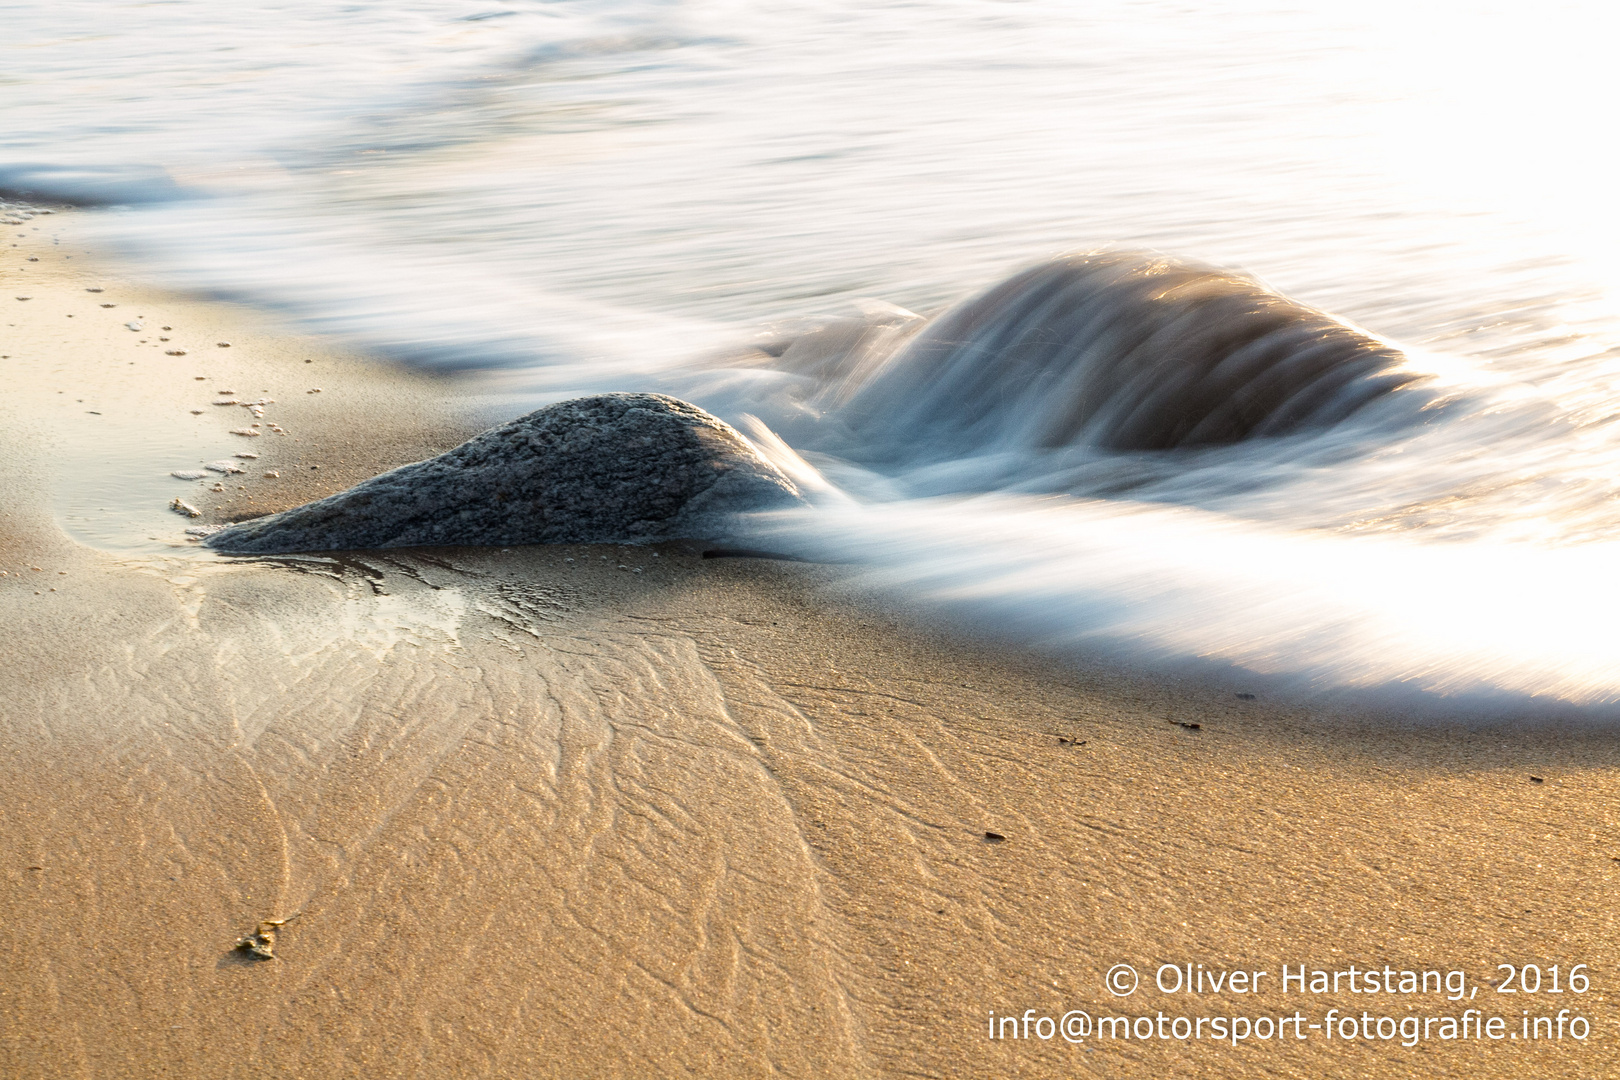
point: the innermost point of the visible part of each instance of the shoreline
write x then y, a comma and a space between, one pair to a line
542, 817
116, 410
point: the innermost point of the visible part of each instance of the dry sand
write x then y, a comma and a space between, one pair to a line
579, 812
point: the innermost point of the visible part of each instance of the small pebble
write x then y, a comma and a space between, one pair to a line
248, 455
133, 325
92, 290
174, 352
109, 305
180, 506
196, 412
25, 297
168, 328
249, 432
222, 344
272, 474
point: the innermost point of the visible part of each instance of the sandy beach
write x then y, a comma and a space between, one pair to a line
631, 812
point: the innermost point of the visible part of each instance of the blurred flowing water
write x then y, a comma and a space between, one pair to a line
594, 194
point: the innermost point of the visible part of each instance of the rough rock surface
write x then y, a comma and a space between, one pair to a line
614, 468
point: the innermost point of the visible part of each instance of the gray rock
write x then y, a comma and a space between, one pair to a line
614, 468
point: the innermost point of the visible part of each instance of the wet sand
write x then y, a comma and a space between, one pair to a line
583, 812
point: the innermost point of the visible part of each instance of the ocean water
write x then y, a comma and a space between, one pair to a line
581, 195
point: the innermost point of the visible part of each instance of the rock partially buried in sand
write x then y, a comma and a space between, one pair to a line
610, 469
